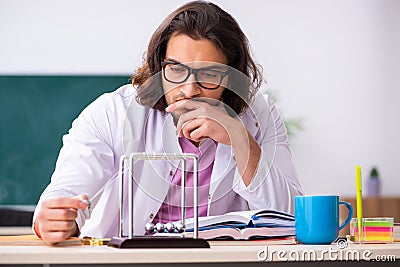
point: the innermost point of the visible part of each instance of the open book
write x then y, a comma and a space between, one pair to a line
244, 225
252, 233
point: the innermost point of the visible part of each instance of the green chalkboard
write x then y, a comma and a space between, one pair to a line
35, 112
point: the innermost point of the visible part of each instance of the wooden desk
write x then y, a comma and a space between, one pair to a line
16, 230
227, 255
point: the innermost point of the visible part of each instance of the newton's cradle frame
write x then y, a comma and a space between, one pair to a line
132, 241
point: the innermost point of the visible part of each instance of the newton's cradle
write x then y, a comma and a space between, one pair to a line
149, 241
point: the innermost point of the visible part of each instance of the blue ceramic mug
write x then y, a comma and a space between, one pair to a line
317, 218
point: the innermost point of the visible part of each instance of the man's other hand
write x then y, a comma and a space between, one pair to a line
55, 221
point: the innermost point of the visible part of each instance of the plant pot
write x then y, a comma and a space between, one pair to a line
373, 187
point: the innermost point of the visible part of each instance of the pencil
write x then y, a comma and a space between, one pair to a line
359, 201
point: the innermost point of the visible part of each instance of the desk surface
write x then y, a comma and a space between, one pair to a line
216, 254
16, 230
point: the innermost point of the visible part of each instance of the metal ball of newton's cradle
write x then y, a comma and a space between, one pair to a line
170, 227
160, 227
179, 227
149, 228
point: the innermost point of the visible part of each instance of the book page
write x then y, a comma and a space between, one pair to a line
267, 232
241, 219
238, 217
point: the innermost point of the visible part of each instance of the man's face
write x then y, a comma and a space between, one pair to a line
196, 54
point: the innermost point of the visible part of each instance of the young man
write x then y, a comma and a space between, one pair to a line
195, 93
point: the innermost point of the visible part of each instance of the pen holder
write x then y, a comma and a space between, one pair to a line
373, 230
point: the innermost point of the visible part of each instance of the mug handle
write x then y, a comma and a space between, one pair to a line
349, 215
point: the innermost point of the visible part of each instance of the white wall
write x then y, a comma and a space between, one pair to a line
335, 63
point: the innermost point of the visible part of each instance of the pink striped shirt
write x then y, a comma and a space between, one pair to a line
170, 210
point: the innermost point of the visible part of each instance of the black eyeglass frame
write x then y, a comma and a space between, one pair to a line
194, 71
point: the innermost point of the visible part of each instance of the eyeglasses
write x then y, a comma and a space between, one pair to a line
206, 78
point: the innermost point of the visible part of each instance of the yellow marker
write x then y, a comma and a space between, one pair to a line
91, 241
359, 201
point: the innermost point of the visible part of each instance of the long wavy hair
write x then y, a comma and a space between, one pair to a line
200, 20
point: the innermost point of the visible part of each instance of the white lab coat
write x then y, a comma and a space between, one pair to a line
115, 124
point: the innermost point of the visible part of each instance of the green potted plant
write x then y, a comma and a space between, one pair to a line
373, 183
